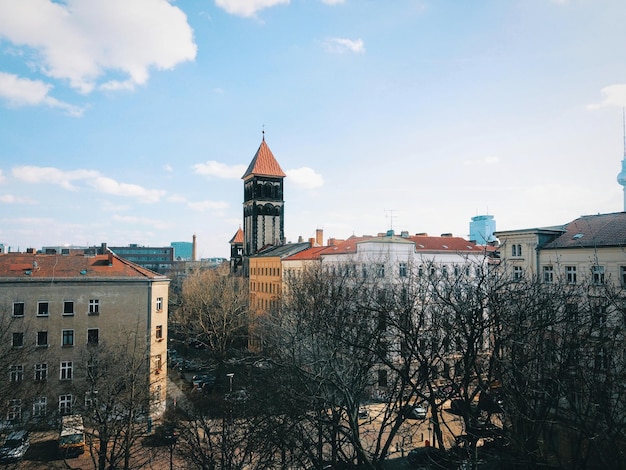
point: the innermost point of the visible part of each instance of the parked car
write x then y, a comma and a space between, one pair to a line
363, 413
15, 446
428, 457
203, 381
414, 412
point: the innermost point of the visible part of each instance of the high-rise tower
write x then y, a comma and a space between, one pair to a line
263, 205
621, 177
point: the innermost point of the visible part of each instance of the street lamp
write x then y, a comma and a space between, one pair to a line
230, 381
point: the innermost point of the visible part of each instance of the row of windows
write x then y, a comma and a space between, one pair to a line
571, 274
66, 372
379, 270
43, 307
265, 271
66, 405
67, 338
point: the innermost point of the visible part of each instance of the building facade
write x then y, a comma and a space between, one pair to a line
57, 309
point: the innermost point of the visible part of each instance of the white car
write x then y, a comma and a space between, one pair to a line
15, 446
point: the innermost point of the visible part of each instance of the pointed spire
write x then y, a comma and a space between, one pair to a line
238, 237
264, 163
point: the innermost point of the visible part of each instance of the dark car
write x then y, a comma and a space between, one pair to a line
15, 446
428, 457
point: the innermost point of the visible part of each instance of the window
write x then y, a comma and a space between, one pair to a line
93, 336
403, 270
622, 275
159, 332
444, 271
382, 377
548, 274
68, 338
570, 274
68, 307
92, 369
66, 371
42, 309
18, 309
380, 271
40, 407
158, 364
18, 340
599, 313
516, 250
597, 273
42, 339
14, 410
65, 405
518, 273
41, 372
94, 306
420, 270
159, 304
91, 399
16, 373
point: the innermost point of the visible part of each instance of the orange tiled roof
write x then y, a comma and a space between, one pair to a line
43, 266
308, 254
263, 164
237, 238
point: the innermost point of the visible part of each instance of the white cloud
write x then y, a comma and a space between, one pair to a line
220, 170
247, 8
69, 179
333, 2
202, 206
11, 199
168, 168
80, 40
65, 179
130, 219
491, 160
305, 177
2, 177
24, 92
614, 95
342, 45
110, 186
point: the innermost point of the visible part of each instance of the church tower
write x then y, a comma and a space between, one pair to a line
263, 204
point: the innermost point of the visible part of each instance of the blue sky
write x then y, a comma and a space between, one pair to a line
133, 122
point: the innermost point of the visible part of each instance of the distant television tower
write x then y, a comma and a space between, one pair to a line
621, 177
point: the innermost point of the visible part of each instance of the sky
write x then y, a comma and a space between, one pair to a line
133, 121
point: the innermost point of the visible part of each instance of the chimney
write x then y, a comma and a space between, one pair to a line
319, 237
193, 248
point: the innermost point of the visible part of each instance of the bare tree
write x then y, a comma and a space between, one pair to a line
214, 309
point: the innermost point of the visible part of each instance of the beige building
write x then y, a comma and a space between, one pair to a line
56, 307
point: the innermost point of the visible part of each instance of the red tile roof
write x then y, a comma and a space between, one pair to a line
264, 164
237, 238
43, 266
308, 254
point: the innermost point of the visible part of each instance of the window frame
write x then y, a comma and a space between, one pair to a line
94, 307
159, 304
90, 336
69, 303
548, 274
158, 332
16, 373
23, 309
41, 372
598, 274
45, 313
571, 275
67, 334
65, 404
17, 344
37, 339
66, 370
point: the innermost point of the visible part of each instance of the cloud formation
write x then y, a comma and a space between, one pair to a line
247, 8
614, 95
81, 41
69, 180
24, 92
343, 45
219, 170
305, 177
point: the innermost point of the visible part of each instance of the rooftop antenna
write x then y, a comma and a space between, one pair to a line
263, 132
391, 217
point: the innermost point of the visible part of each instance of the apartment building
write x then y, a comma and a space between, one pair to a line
56, 307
